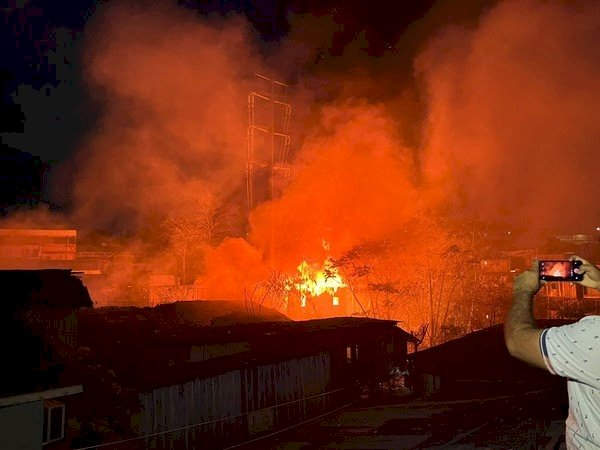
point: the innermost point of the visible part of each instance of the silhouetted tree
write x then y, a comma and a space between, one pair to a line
271, 293
206, 222
428, 272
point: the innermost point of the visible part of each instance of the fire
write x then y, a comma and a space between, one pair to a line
314, 282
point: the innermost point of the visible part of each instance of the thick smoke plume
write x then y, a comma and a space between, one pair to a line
173, 91
512, 126
509, 134
353, 181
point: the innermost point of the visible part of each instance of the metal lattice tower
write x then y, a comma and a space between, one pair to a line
268, 141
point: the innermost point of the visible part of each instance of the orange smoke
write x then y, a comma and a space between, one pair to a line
172, 90
509, 106
512, 109
353, 181
231, 269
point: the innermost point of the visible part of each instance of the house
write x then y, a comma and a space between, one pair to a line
43, 304
37, 248
217, 386
35, 419
38, 336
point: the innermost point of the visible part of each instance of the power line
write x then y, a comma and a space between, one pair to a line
173, 430
292, 426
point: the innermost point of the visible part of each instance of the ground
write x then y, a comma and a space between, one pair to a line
526, 420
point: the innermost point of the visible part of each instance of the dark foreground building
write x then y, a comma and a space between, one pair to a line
468, 393
476, 363
180, 375
38, 334
217, 386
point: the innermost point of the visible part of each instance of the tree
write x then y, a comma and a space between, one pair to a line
271, 293
447, 255
419, 334
356, 266
206, 222
456, 297
375, 272
427, 273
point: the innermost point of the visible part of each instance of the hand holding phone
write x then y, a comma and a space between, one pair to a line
560, 270
590, 273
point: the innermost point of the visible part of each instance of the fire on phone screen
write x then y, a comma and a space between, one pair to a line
559, 270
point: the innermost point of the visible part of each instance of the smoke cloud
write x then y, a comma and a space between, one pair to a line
512, 119
173, 94
352, 181
509, 129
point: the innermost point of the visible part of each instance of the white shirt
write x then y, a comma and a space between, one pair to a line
573, 351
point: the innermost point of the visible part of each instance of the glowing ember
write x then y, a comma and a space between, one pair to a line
314, 282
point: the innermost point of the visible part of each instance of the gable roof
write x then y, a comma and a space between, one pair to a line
488, 339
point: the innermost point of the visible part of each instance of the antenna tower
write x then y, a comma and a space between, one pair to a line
268, 144
268, 140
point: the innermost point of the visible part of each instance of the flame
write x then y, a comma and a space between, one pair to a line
559, 269
314, 282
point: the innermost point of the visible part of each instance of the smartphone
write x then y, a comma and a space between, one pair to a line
559, 270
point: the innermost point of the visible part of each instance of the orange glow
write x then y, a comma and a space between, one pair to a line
374, 154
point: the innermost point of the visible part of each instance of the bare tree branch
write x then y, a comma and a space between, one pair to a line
206, 222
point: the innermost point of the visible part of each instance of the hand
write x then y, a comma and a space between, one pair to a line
529, 281
591, 274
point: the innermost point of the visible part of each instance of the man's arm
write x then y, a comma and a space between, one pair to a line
521, 335
569, 350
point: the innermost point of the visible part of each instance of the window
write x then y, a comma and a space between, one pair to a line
351, 353
54, 421
336, 301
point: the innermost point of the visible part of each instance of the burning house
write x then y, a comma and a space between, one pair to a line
316, 293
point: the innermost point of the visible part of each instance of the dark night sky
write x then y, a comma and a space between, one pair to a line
44, 104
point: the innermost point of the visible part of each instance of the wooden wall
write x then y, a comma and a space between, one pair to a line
236, 406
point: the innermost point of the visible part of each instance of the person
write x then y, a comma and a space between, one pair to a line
571, 351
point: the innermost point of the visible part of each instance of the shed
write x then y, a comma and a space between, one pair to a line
476, 363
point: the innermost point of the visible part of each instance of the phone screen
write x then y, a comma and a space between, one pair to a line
559, 270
